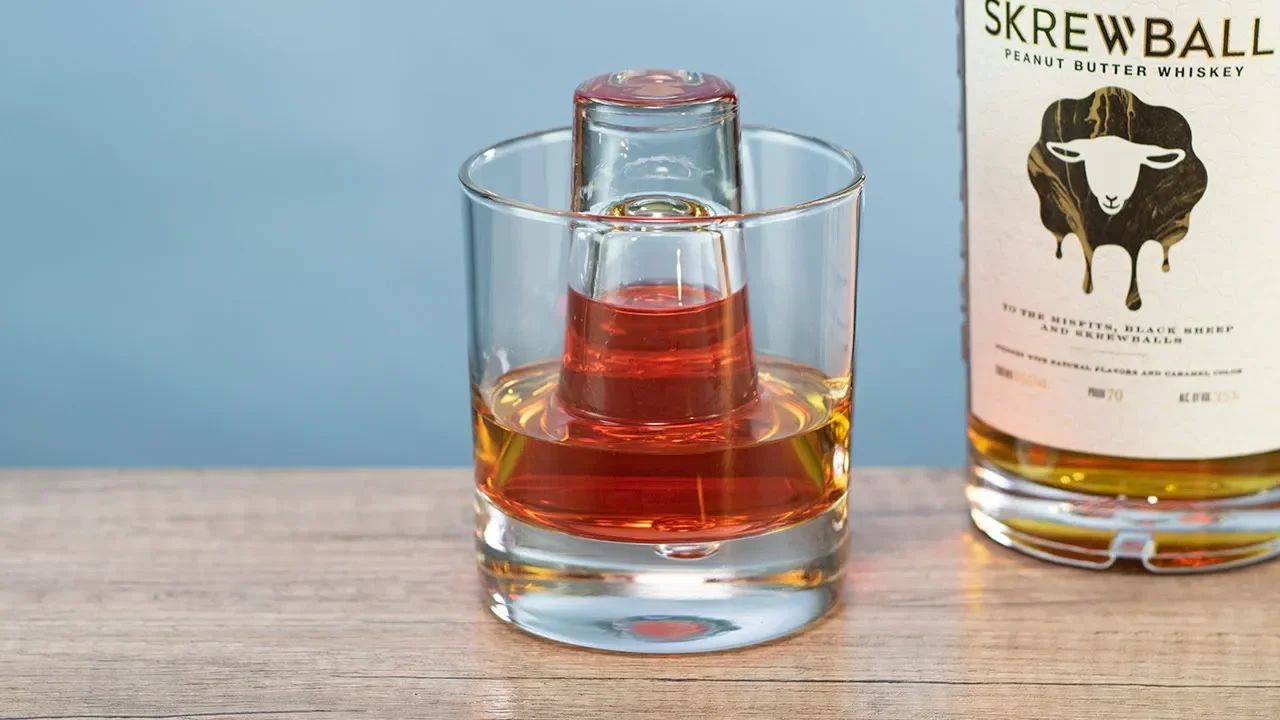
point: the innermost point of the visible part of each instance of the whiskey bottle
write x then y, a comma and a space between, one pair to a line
1121, 164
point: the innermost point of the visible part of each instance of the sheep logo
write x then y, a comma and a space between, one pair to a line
1113, 170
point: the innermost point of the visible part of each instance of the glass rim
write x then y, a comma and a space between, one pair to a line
474, 187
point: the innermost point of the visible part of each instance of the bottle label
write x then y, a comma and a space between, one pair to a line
1123, 193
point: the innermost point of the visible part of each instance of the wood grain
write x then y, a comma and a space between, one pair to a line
353, 594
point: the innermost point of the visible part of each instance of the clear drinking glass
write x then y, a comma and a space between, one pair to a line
661, 401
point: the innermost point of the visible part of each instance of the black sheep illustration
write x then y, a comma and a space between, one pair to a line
1113, 170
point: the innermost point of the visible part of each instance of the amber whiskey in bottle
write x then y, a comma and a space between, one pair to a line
1124, 394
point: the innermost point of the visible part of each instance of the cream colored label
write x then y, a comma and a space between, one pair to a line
1123, 191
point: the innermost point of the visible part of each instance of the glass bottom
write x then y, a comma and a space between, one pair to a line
667, 598
1098, 531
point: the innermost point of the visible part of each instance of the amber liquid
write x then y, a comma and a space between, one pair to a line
660, 426
1160, 483
1134, 478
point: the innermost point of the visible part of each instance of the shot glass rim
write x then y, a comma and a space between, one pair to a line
474, 187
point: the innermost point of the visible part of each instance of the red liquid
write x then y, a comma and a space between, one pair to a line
657, 427
657, 353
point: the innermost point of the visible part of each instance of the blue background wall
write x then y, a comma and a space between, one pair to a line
230, 234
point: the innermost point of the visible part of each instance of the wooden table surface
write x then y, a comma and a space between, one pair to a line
291, 594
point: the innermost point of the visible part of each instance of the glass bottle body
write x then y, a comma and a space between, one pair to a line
1122, 416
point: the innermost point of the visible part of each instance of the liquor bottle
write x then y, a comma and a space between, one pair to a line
1121, 302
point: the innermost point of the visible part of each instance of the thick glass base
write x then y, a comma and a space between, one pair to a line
1096, 531
672, 598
